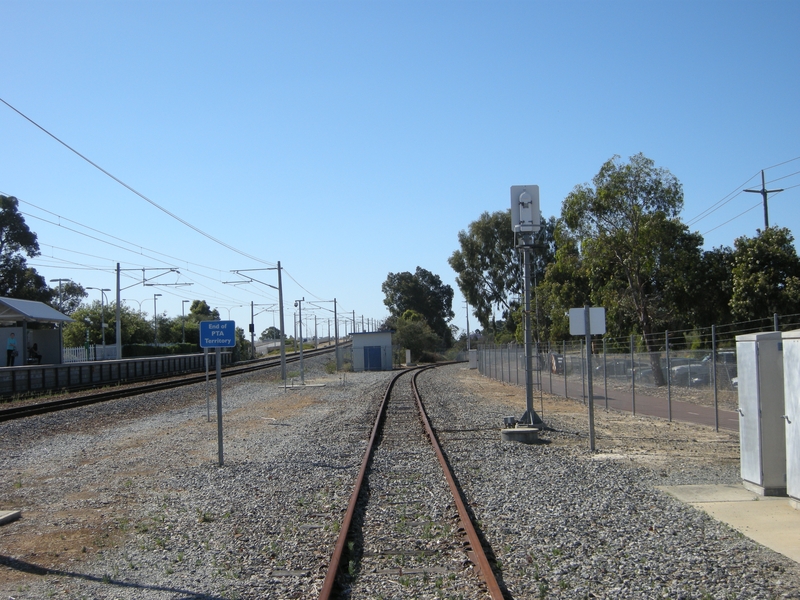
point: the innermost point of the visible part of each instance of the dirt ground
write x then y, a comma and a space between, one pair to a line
619, 435
62, 538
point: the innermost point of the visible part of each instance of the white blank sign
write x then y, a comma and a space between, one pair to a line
577, 321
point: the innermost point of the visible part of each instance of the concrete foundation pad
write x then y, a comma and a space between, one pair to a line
6, 516
769, 520
525, 435
764, 491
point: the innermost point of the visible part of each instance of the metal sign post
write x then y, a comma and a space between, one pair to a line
587, 321
208, 398
217, 335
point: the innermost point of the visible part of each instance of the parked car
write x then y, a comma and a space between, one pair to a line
697, 373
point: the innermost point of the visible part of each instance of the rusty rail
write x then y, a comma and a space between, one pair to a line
476, 549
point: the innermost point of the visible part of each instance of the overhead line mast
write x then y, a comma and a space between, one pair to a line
764, 192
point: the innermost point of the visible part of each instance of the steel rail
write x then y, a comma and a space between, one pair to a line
341, 542
466, 522
476, 548
38, 408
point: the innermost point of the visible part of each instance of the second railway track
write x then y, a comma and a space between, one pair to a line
93, 396
407, 532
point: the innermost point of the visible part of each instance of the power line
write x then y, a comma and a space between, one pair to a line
719, 203
731, 219
736, 192
136, 249
142, 196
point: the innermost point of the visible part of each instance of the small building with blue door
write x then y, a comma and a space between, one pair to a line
372, 351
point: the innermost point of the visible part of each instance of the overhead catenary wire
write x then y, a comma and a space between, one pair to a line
135, 249
138, 193
736, 192
149, 200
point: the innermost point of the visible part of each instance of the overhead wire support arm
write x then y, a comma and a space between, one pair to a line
764, 193
165, 270
280, 304
167, 284
252, 279
335, 329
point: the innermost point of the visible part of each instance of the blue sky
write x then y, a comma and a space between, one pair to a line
349, 140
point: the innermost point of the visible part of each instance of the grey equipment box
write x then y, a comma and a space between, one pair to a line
791, 392
761, 409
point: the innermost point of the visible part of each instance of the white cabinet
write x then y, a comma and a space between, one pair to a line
791, 391
761, 411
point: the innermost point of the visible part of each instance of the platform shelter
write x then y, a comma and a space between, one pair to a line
15, 316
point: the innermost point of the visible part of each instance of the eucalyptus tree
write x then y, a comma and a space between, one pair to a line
17, 279
424, 293
766, 275
639, 257
488, 265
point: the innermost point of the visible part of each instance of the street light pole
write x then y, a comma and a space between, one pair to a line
102, 316
155, 318
183, 320
299, 305
60, 324
139, 302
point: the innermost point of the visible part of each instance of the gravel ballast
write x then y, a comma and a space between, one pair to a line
126, 499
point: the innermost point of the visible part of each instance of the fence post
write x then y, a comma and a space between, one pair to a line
564, 363
633, 379
502, 366
714, 374
775, 321
669, 379
508, 351
605, 374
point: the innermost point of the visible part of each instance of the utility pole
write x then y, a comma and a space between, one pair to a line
252, 331
764, 191
299, 306
468, 344
155, 318
118, 321
60, 324
280, 307
336, 337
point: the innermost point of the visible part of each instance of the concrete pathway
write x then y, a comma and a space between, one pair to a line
768, 520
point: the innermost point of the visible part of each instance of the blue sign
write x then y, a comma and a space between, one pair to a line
217, 334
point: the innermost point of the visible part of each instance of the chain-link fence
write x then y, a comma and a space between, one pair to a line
688, 375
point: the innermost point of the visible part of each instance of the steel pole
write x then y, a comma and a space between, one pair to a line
283, 335
530, 415
118, 333
587, 324
336, 336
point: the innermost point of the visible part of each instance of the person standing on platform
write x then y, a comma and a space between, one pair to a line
11, 350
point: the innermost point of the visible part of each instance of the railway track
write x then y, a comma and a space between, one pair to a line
407, 531
74, 400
